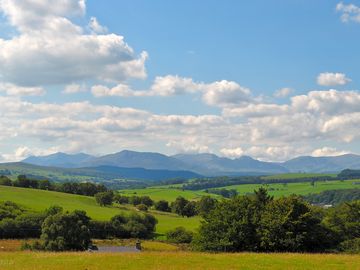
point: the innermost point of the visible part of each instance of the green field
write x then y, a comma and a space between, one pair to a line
166, 193
176, 260
305, 188
296, 176
39, 200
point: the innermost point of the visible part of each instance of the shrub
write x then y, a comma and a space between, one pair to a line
104, 198
162, 205
142, 207
179, 236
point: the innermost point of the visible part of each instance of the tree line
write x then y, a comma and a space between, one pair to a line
60, 230
260, 223
86, 188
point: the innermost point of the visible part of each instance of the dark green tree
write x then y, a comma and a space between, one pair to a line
104, 198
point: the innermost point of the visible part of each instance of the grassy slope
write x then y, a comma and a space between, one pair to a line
297, 188
39, 200
176, 260
166, 193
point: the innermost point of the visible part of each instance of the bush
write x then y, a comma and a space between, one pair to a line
163, 206
104, 198
351, 246
69, 231
179, 236
142, 207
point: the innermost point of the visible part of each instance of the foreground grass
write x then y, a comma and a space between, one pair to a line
175, 260
39, 200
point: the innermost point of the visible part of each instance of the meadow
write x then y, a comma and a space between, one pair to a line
165, 260
168, 193
278, 190
39, 200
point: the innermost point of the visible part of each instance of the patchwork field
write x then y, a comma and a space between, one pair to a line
39, 200
176, 260
166, 193
278, 190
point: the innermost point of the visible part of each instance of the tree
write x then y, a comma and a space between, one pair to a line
162, 205
142, 207
189, 209
121, 199
291, 225
147, 201
178, 205
104, 198
205, 205
66, 231
5, 181
179, 236
229, 227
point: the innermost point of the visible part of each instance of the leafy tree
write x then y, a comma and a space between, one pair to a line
178, 205
205, 205
147, 201
289, 224
142, 207
121, 199
163, 206
135, 200
229, 227
5, 181
179, 236
104, 198
344, 220
66, 231
189, 209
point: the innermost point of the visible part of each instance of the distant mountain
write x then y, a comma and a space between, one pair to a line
203, 164
214, 165
98, 174
132, 159
323, 164
61, 160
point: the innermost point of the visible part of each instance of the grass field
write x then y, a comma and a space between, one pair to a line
39, 200
166, 193
176, 260
296, 175
305, 188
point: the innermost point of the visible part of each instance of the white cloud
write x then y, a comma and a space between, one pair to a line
51, 49
332, 79
220, 93
349, 12
327, 151
96, 27
14, 90
283, 92
74, 88
232, 152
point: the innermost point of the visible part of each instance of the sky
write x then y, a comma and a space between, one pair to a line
269, 79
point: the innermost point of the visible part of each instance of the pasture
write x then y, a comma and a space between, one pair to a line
174, 260
304, 188
39, 200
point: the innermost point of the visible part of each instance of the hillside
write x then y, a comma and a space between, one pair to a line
39, 200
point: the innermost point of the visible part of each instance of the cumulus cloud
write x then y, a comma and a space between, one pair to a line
232, 152
332, 79
327, 151
283, 92
74, 88
349, 12
15, 90
96, 27
50, 49
220, 93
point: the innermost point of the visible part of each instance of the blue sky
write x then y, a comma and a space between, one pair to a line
269, 79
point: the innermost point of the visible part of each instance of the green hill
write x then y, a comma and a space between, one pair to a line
39, 200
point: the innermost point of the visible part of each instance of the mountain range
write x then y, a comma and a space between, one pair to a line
201, 164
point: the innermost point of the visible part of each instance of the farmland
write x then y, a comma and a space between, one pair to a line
39, 200
176, 260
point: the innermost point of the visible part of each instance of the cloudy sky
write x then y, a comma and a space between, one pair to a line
270, 79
